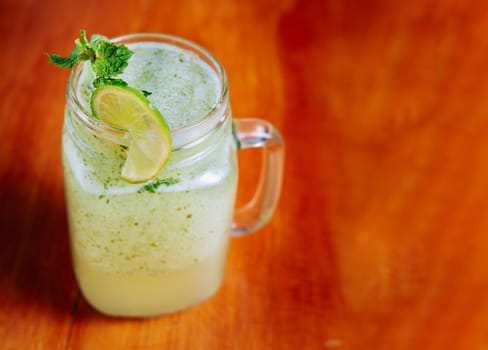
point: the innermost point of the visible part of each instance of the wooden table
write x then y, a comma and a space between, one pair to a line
380, 240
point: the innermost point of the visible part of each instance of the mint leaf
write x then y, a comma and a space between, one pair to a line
100, 81
154, 185
65, 62
110, 59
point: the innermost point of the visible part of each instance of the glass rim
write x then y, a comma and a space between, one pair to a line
179, 136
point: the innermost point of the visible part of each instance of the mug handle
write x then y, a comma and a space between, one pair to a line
258, 133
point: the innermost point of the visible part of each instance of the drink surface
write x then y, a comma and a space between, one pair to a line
165, 247
183, 88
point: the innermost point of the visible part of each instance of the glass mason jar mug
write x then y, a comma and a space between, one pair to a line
148, 249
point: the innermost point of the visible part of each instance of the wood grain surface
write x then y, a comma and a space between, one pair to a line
380, 240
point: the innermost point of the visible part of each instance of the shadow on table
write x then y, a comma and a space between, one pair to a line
35, 266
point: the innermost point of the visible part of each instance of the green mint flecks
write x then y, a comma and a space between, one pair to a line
146, 93
154, 185
107, 59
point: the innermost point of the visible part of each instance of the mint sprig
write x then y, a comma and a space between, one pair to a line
107, 59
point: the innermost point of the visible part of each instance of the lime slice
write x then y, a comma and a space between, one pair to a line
150, 138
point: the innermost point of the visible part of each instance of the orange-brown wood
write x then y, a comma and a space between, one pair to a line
380, 240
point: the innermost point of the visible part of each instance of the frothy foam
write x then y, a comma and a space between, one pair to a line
183, 88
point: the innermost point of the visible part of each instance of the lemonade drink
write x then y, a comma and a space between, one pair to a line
157, 247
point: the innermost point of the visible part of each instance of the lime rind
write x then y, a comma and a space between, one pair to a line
150, 137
